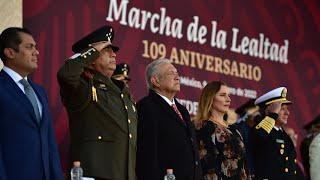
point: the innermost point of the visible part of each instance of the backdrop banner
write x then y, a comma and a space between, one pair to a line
253, 46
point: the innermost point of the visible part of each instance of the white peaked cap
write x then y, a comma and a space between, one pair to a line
276, 95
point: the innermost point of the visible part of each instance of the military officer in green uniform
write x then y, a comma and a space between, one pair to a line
102, 113
122, 73
274, 154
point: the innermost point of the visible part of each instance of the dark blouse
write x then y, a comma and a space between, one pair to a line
222, 152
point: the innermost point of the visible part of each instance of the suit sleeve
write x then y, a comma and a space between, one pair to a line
69, 74
314, 155
3, 175
147, 155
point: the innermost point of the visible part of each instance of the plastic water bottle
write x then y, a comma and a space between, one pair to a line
76, 171
169, 175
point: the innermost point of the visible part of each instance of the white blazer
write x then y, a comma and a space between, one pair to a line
314, 155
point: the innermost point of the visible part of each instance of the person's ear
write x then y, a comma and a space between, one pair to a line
9, 52
155, 81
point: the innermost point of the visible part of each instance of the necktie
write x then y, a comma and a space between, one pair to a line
177, 111
31, 96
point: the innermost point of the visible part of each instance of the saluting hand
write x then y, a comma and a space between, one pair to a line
101, 45
274, 107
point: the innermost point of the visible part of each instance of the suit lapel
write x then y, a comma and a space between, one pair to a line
186, 117
17, 95
167, 108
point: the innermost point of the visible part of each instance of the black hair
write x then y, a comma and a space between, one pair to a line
10, 38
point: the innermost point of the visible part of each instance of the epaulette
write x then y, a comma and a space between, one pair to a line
267, 124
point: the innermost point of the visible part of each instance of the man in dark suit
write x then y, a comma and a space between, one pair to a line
101, 110
166, 137
274, 153
28, 147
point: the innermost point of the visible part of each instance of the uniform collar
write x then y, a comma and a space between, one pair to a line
277, 129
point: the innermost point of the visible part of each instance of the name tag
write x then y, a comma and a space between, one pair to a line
280, 141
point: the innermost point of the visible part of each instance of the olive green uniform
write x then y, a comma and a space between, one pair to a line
103, 127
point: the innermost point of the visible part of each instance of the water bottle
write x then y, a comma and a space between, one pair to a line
76, 171
169, 175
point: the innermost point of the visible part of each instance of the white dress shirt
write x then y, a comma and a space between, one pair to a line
167, 100
16, 78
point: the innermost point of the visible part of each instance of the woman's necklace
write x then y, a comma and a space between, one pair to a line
224, 124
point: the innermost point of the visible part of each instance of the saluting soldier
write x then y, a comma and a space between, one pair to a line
101, 111
122, 73
274, 153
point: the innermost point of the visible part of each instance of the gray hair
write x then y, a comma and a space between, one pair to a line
153, 69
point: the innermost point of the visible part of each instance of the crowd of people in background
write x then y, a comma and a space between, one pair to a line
116, 138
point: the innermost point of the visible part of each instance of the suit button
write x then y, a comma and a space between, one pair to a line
295, 160
282, 145
122, 95
99, 137
130, 136
287, 158
281, 151
286, 170
295, 172
89, 53
191, 139
196, 163
129, 121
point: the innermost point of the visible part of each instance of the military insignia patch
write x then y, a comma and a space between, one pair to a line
284, 93
103, 86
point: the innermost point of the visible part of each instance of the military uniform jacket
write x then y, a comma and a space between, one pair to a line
103, 130
274, 154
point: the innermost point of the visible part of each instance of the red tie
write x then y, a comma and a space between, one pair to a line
177, 111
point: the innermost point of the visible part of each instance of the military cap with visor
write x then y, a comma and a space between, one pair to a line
275, 95
103, 34
122, 70
249, 104
313, 123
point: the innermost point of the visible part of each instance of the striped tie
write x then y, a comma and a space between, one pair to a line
177, 111
31, 96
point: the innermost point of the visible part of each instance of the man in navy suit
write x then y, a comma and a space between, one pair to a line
166, 137
28, 147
